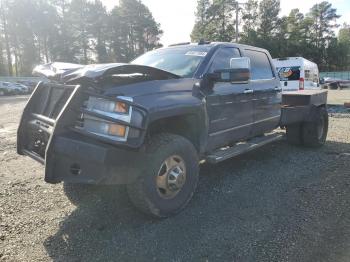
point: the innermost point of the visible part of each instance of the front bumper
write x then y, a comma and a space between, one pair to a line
78, 159
48, 134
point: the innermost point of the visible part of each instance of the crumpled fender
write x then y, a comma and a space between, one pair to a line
73, 73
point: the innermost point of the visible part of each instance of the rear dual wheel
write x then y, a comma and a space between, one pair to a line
314, 133
310, 134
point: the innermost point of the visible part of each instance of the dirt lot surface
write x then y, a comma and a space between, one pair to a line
339, 97
279, 203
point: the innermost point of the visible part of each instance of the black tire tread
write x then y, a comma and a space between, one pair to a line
136, 191
293, 133
309, 130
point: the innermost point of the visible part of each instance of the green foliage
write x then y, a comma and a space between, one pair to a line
81, 31
310, 35
202, 20
136, 29
343, 47
214, 21
249, 17
344, 34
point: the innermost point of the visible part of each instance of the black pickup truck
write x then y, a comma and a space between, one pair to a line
149, 124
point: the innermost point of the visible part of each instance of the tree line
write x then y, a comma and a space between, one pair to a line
311, 35
78, 31
83, 31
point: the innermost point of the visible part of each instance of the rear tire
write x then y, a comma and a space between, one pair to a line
314, 133
293, 133
169, 177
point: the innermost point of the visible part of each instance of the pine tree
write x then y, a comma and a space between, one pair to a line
4, 13
215, 22
198, 31
249, 16
134, 30
99, 31
322, 29
268, 19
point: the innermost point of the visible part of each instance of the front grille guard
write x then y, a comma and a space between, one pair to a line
38, 125
41, 115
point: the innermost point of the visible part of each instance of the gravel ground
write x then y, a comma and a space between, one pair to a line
339, 97
279, 203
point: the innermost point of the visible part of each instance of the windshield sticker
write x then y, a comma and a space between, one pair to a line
196, 53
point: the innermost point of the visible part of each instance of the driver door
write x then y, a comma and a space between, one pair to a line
229, 105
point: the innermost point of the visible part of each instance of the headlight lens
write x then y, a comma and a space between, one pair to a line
121, 108
100, 104
113, 109
116, 130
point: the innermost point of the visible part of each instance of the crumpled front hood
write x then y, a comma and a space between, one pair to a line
74, 73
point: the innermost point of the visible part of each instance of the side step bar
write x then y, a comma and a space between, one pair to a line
241, 148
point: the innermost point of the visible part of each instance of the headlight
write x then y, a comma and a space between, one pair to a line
116, 130
104, 105
104, 128
113, 109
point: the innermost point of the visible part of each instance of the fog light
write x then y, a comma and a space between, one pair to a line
116, 130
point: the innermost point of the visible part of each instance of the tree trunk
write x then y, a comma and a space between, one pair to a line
46, 53
16, 62
7, 42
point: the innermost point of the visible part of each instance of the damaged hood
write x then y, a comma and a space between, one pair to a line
74, 73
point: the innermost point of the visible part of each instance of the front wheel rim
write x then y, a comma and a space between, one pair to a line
171, 177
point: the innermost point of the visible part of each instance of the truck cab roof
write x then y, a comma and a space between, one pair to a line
209, 45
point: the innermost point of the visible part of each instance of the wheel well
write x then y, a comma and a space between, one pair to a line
183, 125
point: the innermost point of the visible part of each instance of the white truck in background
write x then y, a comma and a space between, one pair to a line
297, 73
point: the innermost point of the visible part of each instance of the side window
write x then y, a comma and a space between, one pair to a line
308, 76
260, 65
316, 77
222, 58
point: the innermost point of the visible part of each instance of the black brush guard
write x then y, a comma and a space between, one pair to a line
45, 134
42, 118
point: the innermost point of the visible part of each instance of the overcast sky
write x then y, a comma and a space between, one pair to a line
177, 16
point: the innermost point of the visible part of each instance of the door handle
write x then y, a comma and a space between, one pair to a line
278, 89
248, 91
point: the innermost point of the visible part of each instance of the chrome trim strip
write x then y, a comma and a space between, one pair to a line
236, 102
122, 117
238, 127
218, 120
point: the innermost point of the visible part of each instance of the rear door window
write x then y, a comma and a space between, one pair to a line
260, 65
291, 73
308, 75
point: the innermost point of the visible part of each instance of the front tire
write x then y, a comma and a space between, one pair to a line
170, 176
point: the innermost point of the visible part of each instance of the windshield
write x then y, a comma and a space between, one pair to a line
289, 73
179, 61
